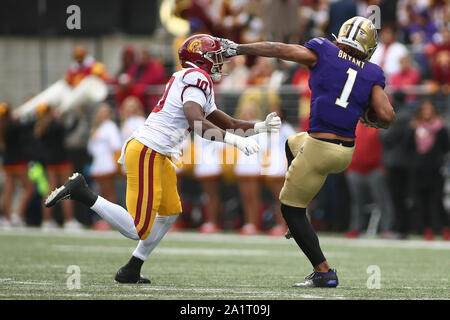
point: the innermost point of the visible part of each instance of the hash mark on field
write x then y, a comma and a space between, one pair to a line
13, 281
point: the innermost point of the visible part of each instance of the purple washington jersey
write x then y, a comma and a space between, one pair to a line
341, 86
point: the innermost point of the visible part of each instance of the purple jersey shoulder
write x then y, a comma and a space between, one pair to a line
331, 109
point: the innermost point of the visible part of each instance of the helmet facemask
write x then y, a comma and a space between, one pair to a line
217, 60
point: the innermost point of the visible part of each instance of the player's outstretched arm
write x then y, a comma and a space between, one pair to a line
245, 128
383, 108
208, 130
290, 52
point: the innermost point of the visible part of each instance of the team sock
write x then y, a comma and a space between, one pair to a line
116, 216
160, 226
303, 233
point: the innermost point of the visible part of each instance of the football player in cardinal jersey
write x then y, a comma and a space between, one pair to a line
343, 82
152, 199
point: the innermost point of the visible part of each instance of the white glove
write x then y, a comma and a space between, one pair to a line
230, 47
246, 145
271, 124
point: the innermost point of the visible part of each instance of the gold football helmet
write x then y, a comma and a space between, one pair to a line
359, 33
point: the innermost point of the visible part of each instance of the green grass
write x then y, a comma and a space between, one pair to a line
191, 266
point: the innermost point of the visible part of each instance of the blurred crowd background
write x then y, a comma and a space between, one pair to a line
397, 185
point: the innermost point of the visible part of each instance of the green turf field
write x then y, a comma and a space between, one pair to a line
186, 265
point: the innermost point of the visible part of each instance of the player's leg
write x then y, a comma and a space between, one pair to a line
47, 220
8, 190
77, 189
358, 195
210, 186
26, 194
275, 185
250, 192
163, 197
306, 174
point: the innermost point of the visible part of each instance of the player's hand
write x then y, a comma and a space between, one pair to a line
247, 145
229, 46
369, 123
365, 119
271, 124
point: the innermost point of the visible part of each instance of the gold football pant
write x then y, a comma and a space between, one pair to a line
151, 186
314, 160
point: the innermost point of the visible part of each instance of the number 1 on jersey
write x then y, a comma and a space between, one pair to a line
342, 101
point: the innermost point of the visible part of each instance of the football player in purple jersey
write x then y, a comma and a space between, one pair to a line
345, 88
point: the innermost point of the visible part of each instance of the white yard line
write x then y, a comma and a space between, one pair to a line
234, 238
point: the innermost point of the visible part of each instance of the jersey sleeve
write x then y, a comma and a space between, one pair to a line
198, 88
318, 45
194, 94
380, 79
199, 79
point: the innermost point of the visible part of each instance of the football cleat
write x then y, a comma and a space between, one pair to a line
320, 279
75, 188
126, 275
288, 234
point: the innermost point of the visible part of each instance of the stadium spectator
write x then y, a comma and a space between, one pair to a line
248, 168
407, 76
366, 173
50, 132
238, 74
430, 142
397, 161
439, 57
313, 19
13, 138
301, 80
126, 87
131, 117
261, 71
128, 60
275, 166
104, 145
208, 171
150, 71
198, 14
389, 52
281, 21
421, 28
82, 66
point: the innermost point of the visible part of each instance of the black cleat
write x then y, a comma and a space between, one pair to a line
75, 188
320, 279
126, 275
288, 234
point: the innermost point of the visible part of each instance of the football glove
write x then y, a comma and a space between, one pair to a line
229, 47
271, 124
247, 145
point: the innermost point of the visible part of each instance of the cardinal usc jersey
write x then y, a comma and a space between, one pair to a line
166, 127
341, 86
